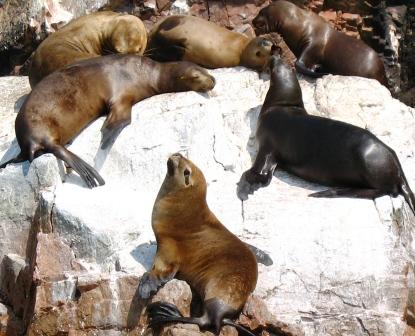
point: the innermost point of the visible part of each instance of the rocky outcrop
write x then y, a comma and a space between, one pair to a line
341, 266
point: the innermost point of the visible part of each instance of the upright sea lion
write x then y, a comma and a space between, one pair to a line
318, 149
86, 37
189, 38
66, 101
319, 48
192, 245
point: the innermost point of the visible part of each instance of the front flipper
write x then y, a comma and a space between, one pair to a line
165, 267
149, 284
118, 118
260, 174
349, 192
314, 72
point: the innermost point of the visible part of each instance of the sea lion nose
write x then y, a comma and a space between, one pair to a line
173, 162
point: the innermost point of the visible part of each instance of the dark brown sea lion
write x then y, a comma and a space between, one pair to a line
192, 245
318, 149
66, 101
86, 37
319, 48
189, 38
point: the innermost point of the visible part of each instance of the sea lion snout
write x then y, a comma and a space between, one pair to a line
173, 163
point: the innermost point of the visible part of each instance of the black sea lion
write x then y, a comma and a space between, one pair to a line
66, 101
86, 37
319, 48
192, 245
189, 38
318, 149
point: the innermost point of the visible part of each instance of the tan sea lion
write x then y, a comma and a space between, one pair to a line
319, 48
189, 38
89, 36
192, 245
66, 101
319, 149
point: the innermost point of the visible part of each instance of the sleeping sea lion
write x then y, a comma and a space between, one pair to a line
189, 38
86, 37
66, 101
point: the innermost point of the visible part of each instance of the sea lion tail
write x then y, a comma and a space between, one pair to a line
19, 158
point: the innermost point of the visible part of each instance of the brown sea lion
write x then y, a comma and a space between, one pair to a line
319, 48
189, 38
192, 245
86, 37
66, 101
319, 149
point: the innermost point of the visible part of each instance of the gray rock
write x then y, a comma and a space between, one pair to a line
341, 266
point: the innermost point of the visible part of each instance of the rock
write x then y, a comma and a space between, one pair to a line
346, 270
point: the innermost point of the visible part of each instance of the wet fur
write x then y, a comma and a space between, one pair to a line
321, 150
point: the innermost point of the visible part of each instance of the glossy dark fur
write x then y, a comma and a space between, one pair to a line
321, 150
192, 245
66, 101
319, 48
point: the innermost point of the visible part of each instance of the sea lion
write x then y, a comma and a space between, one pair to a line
189, 38
86, 37
66, 101
319, 149
319, 48
192, 245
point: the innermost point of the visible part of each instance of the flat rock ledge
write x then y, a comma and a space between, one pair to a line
71, 257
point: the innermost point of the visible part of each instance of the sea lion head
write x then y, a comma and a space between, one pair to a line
257, 53
184, 176
261, 23
129, 35
189, 76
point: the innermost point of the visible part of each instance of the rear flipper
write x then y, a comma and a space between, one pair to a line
260, 256
349, 192
19, 158
85, 171
160, 313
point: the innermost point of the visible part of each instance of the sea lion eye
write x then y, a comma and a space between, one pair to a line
186, 174
258, 54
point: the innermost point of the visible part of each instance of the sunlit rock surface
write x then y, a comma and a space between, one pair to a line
341, 266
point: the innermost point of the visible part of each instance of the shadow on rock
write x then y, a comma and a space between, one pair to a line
144, 254
19, 103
